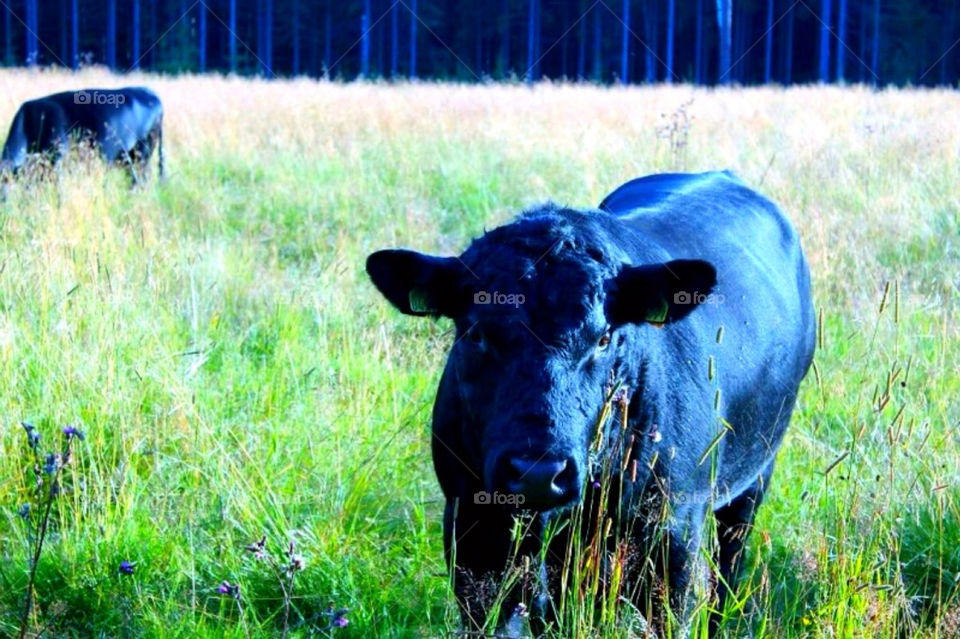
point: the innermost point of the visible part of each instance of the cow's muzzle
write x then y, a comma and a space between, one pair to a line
544, 484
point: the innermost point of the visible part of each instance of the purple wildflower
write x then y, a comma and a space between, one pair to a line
127, 567
296, 564
226, 588
596, 484
72, 431
24, 511
296, 561
33, 435
258, 548
337, 616
51, 463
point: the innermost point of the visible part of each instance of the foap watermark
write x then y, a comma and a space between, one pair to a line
699, 497
694, 498
696, 297
483, 498
108, 98
498, 298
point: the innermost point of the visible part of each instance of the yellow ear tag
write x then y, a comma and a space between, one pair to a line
658, 316
418, 302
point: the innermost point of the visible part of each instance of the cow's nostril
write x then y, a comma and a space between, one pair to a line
566, 477
543, 483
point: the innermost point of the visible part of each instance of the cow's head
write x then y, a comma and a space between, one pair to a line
546, 309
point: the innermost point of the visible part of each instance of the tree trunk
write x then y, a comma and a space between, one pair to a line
768, 46
295, 63
949, 25
394, 40
654, 39
698, 54
537, 36
8, 36
64, 28
788, 51
625, 43
650, 20
505, 38
744, 48
724, 25
365, 40
597, 46
268, 36
152, 56
668, 78
202, 37
478, 43
875, 58
824, 41
841, 39
233, 36
31, 54
135, 49
532, 52
582, 44
564, 21
112, 34
327, 42
376, 35
413, 38
181, 49
313, 47
260, 37
862, 19
75, 33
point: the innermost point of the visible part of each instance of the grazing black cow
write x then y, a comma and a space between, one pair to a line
692, 293
125, 124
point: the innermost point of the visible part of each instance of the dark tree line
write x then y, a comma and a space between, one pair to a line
630, 41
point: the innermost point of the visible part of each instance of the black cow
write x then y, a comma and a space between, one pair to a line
125, 125
692, 294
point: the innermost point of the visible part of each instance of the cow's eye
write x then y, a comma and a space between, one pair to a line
604, 342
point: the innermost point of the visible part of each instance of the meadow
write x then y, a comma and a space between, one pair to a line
236, 375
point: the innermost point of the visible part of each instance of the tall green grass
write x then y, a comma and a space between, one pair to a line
236, 375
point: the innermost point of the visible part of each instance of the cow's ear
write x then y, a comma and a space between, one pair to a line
659, 293
419, 284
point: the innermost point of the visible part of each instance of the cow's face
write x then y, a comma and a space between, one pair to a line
544, 318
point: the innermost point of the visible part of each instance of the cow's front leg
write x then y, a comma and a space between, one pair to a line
477, 541
687, 577
671, 575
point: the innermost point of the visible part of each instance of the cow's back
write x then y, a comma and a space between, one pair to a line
761, 302
115, 127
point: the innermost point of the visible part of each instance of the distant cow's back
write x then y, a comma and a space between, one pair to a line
125, 124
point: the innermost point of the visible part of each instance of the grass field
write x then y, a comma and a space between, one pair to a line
236, 375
